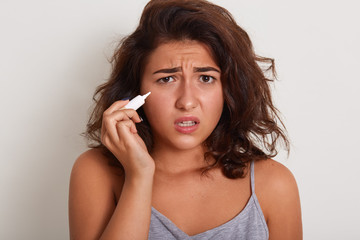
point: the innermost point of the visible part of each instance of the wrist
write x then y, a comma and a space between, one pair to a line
141, 178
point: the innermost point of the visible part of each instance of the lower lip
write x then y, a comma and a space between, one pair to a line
186, 130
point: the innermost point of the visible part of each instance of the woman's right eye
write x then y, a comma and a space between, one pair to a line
165, 79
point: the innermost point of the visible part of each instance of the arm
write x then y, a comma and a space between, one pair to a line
279, 197
131, 218
93, 213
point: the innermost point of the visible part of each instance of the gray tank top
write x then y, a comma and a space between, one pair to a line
248, 224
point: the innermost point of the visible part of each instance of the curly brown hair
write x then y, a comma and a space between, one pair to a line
249, 128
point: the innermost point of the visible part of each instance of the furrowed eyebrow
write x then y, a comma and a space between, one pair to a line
168, 70
178, 69
206, 69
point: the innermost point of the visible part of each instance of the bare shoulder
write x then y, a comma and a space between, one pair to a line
273, 176
93, 167
90, 159
278, 195
94, 162
92, 172
94, 186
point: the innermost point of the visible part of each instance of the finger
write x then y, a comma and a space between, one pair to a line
109, 132
125, 114
116, 106
127, 133
126, 128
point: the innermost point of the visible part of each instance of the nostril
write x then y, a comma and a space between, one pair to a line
186, 105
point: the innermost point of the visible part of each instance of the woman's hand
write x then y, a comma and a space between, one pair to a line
92, 183
119, 135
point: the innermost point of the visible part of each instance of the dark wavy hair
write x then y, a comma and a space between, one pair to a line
249, 128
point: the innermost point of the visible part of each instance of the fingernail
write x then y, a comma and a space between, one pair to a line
141, 119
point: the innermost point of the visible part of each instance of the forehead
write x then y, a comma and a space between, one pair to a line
176, 53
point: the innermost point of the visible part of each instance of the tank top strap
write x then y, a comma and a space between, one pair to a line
252, 177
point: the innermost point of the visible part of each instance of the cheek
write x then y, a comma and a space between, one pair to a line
215, 103
156, 108
216, 111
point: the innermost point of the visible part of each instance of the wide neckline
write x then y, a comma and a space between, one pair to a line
224, 225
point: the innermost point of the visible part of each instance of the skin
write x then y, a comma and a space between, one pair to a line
192, 89
105, 203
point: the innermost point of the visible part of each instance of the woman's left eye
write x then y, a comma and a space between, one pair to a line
207, 79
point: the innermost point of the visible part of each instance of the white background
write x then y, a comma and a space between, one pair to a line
54, 53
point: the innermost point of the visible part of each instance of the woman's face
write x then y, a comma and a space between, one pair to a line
186, 99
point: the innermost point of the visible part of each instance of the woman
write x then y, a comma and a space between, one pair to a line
185, 165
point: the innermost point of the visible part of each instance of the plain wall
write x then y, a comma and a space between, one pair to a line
53, 54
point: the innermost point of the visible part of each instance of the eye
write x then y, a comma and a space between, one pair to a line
207, 79
166, 79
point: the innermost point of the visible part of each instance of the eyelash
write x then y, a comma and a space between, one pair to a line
168, 78
161, 80
212, 79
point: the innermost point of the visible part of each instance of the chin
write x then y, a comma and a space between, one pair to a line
181, 142
187, 143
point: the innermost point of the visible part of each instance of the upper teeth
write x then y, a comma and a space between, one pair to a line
186, 123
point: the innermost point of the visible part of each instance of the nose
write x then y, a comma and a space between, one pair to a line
187, 97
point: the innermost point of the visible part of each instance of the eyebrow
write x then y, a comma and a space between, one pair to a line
168, 70
206, 69
178, 69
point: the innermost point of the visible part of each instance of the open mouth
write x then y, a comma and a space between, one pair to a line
186, 123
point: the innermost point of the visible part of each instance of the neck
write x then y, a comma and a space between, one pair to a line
176, 161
